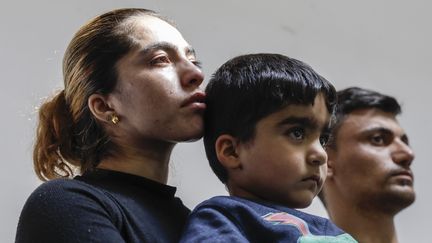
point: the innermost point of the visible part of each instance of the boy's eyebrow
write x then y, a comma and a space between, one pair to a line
165, 46
305, 121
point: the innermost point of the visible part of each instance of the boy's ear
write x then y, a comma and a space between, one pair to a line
100, 108
226, 151
331, 153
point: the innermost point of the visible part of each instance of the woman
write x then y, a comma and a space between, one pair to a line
131, 93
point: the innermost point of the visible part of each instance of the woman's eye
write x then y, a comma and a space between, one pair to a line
197, 63
159, 60
296, 133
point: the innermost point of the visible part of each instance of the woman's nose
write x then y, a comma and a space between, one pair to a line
190, 75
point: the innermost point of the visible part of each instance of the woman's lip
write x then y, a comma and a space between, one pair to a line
197, 105
196, 99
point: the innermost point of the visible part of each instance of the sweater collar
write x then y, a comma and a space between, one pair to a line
118, 177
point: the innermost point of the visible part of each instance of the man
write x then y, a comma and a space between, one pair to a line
369, 178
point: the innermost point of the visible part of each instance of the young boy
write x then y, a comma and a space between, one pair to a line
266, 126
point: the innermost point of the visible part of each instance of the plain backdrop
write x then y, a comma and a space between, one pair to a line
382, 45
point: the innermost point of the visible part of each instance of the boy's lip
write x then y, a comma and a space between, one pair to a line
316, 178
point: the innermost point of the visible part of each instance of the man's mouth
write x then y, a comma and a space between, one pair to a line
405, 177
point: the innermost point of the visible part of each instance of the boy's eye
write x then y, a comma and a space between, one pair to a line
324, 139
296, 133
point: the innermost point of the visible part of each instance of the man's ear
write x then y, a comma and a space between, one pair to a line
331, 154
100, 108
226, 151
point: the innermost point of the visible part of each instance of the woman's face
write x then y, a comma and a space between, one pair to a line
158, 95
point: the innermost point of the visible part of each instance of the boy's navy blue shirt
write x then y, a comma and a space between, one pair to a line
233, 219
102, 206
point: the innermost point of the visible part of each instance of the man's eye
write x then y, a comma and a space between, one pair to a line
159, 60
296, 133
377, 140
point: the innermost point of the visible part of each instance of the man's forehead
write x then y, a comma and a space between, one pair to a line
369, 119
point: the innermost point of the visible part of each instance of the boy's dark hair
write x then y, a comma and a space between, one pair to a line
248, 88
355, 98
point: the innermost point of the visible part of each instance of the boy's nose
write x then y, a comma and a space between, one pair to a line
317, 155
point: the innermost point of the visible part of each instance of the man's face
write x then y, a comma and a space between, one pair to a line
285, 162
157, 95
370, 165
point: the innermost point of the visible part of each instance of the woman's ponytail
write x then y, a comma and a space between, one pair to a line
53, 132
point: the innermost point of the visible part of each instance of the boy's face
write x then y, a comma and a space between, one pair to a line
285, 162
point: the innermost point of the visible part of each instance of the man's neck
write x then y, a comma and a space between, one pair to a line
366, 226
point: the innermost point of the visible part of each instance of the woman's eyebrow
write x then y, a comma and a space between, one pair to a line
164, 46
157, 46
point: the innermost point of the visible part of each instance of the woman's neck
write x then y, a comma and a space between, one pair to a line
150, 160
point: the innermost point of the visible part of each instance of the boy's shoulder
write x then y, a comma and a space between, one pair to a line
265, 209
226, 218
244, 211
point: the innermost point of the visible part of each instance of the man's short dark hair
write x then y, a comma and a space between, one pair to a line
355, 98
250, 87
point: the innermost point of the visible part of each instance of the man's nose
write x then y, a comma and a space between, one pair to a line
403, 154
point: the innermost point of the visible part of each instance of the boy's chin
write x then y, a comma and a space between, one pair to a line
303, 204
290, 203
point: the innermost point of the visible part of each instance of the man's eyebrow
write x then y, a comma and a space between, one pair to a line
304, 121
166, 46
387, 131
378, 129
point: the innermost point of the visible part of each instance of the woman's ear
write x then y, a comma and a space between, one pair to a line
100, 108
226, 151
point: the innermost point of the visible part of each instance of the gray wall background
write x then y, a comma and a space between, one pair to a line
382, 45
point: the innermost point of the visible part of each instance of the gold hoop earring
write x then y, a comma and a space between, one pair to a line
114, 119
